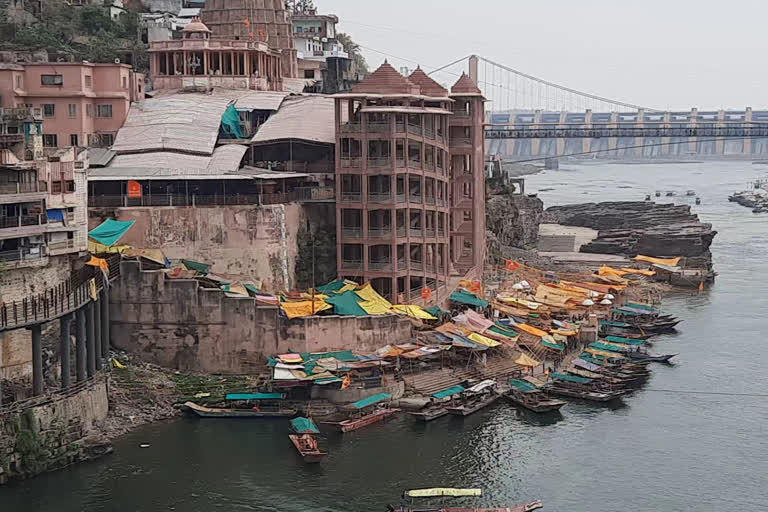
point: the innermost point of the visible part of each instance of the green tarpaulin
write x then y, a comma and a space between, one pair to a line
331, 287
110, 231
610, 323
202, 268
570, 378
470, 299
602, 346
302, 425
628, 341
251, 288
343, 355
635, 305
437, 311
448, 392
371, 400
346, 303
555, 346
522, 385
501, 331
230, 123
255, 396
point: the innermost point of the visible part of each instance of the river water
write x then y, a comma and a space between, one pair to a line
661, 451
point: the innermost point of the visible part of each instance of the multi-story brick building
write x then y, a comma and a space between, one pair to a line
409, 182
83, 104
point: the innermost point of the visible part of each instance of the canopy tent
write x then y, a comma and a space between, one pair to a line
531, 330
201, 268
445, 393
525, 360
483, 340
371, 400
570, 378
468, 298
338, 286
413, 312
109, 232
672, 262
372, 302
522, 385
303, 425
304, 308
346, 303
553, 346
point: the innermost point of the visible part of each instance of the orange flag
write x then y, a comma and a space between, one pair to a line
512, 265
426, 293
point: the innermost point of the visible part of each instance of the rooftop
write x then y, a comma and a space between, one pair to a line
428, 86
465, 86
308, 117
386, 80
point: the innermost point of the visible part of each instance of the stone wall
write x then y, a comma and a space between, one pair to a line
178, 324
253, 242
512, 221
59, 431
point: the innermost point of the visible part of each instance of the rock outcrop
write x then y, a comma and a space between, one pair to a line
641, 227
512, 221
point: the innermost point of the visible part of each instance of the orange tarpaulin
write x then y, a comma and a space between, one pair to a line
98, 262
530, 329
608, 271
672, 262
648, 273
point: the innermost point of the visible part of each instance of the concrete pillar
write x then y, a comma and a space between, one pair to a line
37, 360
64, 345
90, 338
104, 302
473, 65
80, 354
97, 333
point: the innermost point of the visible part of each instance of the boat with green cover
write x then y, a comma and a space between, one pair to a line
573, 386
305, 439
438, 403
526, 395
362, 413
246, 405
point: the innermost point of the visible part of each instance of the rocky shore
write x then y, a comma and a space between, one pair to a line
756, 199
640, 227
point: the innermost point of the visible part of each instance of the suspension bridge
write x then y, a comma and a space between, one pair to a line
528, 117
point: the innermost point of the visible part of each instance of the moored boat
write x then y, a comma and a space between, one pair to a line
581, 387
437, 408
363, 413
527, 395
442, 494
305, 439
246, 405
475, 398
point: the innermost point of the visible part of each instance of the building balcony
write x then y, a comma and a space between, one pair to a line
400, 198
417, 265
461, 142
461, 114
379, 197
351, 127
417, 232
21, 255
430, 200
351, 163
414, 164
385, 232
351, 232
402, 232
22, 220
414, 198
380, 265
377, 127
414, 129
62, 247
430, 233
352, 197
429, 166
379, 163
429, 133
351, 264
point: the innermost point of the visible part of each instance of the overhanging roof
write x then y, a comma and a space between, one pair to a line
309, 118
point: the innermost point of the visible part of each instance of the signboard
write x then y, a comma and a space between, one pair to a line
134, 189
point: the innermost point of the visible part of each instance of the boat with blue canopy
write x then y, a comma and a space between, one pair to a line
525, 394
436, 408
362, 413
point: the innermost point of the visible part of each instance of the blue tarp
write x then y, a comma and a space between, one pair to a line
230, 123
455, 390
56, 214
110, 231
255, 396
303, 425
371, 400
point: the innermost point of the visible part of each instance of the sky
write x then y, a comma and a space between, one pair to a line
661, 54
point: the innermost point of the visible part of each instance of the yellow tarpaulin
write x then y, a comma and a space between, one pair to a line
303, 308
525, 360
413, 312
155, 255
348, 286
98, 262
648, 273
483, 340
520, 302
610, 271
565, 332
373, 303
318, 296
672, 262
603, 353
531, 330
97, 248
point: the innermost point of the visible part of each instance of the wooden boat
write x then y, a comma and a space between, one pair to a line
246, 405
436, 493
438, 403
477, 397
530, 397
305, 440
581, 387
654, 358
362, 413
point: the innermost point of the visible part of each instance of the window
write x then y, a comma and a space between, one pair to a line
70, 186
51, 79
49, 110
125, 82
73, 110
19, 82
55, 187
467, 215
73, 140
105, 139
50, 141
309, 73
88, 81
104, 111
89, 110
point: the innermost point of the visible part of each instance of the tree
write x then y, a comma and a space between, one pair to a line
353, 49
301, 6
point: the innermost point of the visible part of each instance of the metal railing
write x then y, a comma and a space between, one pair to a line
378, 163
380, 232
310, 194
379, 197
400, 198
402, 232
414, 164
430, 200
23, 188
23, 220
429, 166
61, 246
430, 233
414, 198
415, 232
21, 254
380, 265
429, 133
303, 194
351, 264
351, 127
461, 114
400, 127
400, 163
379, 127
414, 129
461, 141
351, 163
351, 232
416, 265
351, 196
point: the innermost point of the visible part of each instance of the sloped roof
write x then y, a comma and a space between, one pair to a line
386, 80
252, 100
187, 123
428, 86
308, 117
465, 85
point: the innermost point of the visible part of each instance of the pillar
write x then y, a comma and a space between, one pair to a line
104, 303
97, 333
37, 360
80, 355
90, 339
64, 343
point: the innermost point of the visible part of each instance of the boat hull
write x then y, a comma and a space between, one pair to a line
309, 456
526, 507
540, 406
590, 396
466, 410
218, 412
429, 415
350, 425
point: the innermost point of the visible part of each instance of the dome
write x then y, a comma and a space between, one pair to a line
196, 26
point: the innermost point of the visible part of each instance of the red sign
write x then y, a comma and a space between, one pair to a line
426, 293
134, 189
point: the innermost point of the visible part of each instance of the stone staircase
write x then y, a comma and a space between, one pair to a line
428, 382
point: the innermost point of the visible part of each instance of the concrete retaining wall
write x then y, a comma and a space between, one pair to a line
177, 324
53, 434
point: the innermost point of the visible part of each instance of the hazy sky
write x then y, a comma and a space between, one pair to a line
673, 54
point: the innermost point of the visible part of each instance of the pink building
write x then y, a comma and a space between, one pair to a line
83, 104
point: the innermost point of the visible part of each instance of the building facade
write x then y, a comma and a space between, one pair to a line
83, 104
394, 185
